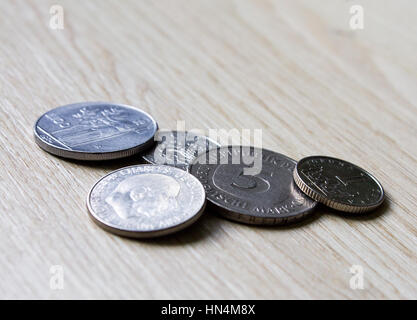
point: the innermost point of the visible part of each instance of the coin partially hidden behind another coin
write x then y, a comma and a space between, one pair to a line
338, 184
95, 131
178, 148
146, 201
268, 196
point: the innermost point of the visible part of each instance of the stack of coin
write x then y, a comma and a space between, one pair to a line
282, 191
244, 184
140, 201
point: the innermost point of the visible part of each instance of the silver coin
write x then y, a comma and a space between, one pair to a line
95, 131
146, 201
252, 185
338, 184
178, 148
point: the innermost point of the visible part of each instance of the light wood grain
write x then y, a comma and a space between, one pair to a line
295, 69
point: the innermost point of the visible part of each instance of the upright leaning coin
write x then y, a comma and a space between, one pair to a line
146, 201
95, 131
252, 185
178, 148
338, 184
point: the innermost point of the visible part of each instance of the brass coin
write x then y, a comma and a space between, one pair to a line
338, 184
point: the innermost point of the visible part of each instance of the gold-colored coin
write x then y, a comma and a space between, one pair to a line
338, 184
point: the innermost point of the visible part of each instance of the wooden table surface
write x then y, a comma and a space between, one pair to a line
295, 69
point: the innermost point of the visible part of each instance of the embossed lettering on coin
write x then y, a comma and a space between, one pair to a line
146, 200
95, 131
338, 184
267, 197
178, 149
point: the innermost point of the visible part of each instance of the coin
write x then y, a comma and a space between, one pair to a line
338, 184
95, 131
252, 185
146, 201
178, 148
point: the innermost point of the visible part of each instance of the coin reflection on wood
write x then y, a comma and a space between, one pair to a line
338, 184
95, 131
252, 185
178, 148
146, 201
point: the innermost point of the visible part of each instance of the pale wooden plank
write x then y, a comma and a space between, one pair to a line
292, 68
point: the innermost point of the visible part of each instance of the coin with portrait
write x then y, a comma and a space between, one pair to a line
338, 184
178, 148
146, 201
95, 131
252, 185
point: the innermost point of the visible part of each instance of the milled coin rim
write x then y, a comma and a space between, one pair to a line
251, 219
337, 205
144, 234
262, 221
93, 156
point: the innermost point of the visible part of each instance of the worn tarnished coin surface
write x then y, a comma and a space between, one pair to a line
338, 184
178, 148
95, 131
252, 185
146, 201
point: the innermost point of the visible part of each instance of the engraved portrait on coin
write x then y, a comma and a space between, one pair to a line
268, 196
178, 148
145, 196
146, 201
95, 131
338, 184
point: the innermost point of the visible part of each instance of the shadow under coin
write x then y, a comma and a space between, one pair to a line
365, 216
109, 165
200, 230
